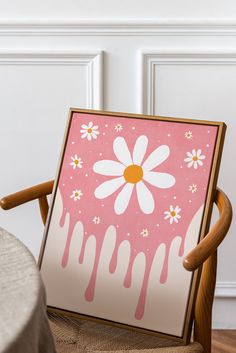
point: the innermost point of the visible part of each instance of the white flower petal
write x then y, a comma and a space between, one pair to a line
202, 157
89, 137
199, 152
90, 124
121, 151
84, 126
195, 165
108, 187
145, 198
189, 154
122, 200
188, 159
190, 164
200, 162
107, 167
159, 155
140, 149
84, 135
160, 180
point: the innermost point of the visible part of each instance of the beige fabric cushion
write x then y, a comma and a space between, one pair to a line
73, 335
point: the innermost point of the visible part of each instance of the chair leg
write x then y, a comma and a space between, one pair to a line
204, 302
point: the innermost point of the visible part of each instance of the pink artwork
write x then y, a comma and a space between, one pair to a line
129, 192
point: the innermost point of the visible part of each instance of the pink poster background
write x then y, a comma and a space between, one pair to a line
190, 151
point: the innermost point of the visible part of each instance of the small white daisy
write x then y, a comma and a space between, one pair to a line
76, 162
89, 131
193, 188
96, 220
144, 233
188, 135
76, 195
173, 214
194, 159
118, 127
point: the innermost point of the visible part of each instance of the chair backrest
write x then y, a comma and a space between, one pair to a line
137, 191
207, 280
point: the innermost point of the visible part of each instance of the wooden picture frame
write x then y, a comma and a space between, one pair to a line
133, 195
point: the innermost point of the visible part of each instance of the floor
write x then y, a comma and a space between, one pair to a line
224, 341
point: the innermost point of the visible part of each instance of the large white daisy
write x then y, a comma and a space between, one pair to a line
132, 172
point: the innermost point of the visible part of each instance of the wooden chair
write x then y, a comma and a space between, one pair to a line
204, 256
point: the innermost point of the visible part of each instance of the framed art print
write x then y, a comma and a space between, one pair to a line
132, 197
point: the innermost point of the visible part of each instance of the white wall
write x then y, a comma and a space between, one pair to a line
173, 58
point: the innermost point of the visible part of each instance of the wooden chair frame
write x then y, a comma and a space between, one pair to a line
203, 256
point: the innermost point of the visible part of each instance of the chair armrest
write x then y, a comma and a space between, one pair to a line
208, 245
23, 196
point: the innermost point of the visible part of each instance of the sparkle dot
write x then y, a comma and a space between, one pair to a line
208, 131
86, 174
85, 232
71, 177
207, 145
174, 197
106, 125
100, 154
190, 201
104, 133
168, 135
79, 211
158, 225
73, 142
102, 205
117, 226
181, 166
133, 127
128, 234
63, 184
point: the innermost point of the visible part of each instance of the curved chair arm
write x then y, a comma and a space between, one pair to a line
192, 261
26, 195
208, 245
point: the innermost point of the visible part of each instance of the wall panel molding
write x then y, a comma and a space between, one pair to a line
117, 27
151, 59
92, 61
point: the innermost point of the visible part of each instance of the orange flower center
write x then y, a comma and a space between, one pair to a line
90, 130
173, 214
76, 161
133, 173
195, 158
76, 194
